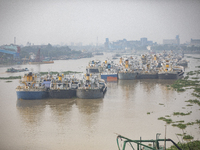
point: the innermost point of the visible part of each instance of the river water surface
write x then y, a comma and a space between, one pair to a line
92, 124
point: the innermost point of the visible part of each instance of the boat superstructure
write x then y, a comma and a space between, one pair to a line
63, 87
169, 71
127, 72
31, 87
91, 87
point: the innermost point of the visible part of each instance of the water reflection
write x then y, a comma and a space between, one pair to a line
61, 109
89, 110
30, 111
128, 88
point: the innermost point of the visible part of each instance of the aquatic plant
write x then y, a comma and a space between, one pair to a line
181, 83
190, 73
196, 95
148, 113
180, 125
182, 114
189, 105
192, 145
188, 137
168, 121
63, 72
190, 123
11, 77
8, 81
194, 101
180, 121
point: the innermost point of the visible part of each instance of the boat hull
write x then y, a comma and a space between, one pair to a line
176, 75
109, 77
62, 94
89, 93
148, 76
31, 95
128, 75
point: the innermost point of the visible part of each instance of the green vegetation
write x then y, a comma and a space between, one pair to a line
53, 52
188, 137
8, 81
189, 105
148, 113
194, 101
11, 77
193, 145
168, 121
180, 121
180, 125
161, 104
63, 72
182, 114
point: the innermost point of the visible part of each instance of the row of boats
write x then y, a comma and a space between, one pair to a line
92, 85
32, 86
145, 67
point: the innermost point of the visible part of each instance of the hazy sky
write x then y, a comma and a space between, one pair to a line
66, 21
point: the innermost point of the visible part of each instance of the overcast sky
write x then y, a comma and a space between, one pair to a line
66, 21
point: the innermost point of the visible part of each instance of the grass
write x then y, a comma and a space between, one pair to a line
148, 113
8, 81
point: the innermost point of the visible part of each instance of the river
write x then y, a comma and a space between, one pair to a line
92, 124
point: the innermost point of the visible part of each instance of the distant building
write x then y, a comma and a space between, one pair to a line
195, 42
175, 41
124, 44
107, 43
143, 41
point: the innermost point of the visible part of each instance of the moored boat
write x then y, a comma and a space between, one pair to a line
168, 71
126, 73
91, 88
62, 87
93, 67
31, 88
109, 73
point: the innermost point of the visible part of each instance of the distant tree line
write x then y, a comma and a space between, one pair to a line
48, 51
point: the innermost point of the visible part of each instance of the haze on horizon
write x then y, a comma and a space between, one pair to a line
66, 21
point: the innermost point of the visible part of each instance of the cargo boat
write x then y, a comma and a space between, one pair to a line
126, 73
109, 73
167, 71
91, 88
31, 88
148, 73
93, 67
62, 87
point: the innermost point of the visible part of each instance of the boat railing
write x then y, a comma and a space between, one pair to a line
140, 142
